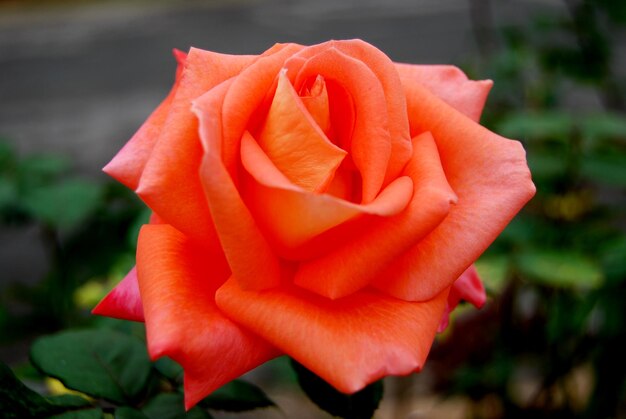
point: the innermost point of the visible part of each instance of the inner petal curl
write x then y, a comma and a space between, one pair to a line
290, 215
294, 141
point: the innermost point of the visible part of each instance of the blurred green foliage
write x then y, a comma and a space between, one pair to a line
80, 223
552, 340
112, 377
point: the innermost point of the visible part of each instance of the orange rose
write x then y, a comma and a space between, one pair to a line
315, 201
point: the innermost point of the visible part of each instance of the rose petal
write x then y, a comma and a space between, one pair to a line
349, 342
178, 283
386, 73
468, 288
491, 179
449, 84
248, 92
346, 184
128, 164
316, 102
341, 113
281, 46
397, 118
370, 146
124, 301
170, 184
291, 215
295, 143
250, 257
360, 260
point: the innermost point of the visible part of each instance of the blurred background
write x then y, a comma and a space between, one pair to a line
77, 78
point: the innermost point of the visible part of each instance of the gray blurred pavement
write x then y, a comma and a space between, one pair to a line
79, 79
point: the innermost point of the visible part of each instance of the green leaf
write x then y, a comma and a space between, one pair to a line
609, 169
614, 259
603, 126
360, 405
18, 401
567, 315
65, 204
521, 230
126, 327
140, 220
43, 166
8, 193
237, 396
473, 379
68, 400
169, 369
7, 155
171, 406
493, 271
126, 412
81, 414
546, 163
615, 10
8, 184
562, 269
101, 363
536, 125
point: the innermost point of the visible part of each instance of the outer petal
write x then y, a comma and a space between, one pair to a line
178, 283
250, 257
361, 259
349, 342
491, 178
127, 166
468, 288
124, 301
449, 84
170, 183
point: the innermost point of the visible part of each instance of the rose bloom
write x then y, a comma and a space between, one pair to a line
318, 202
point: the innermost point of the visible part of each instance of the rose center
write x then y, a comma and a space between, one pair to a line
296, 134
